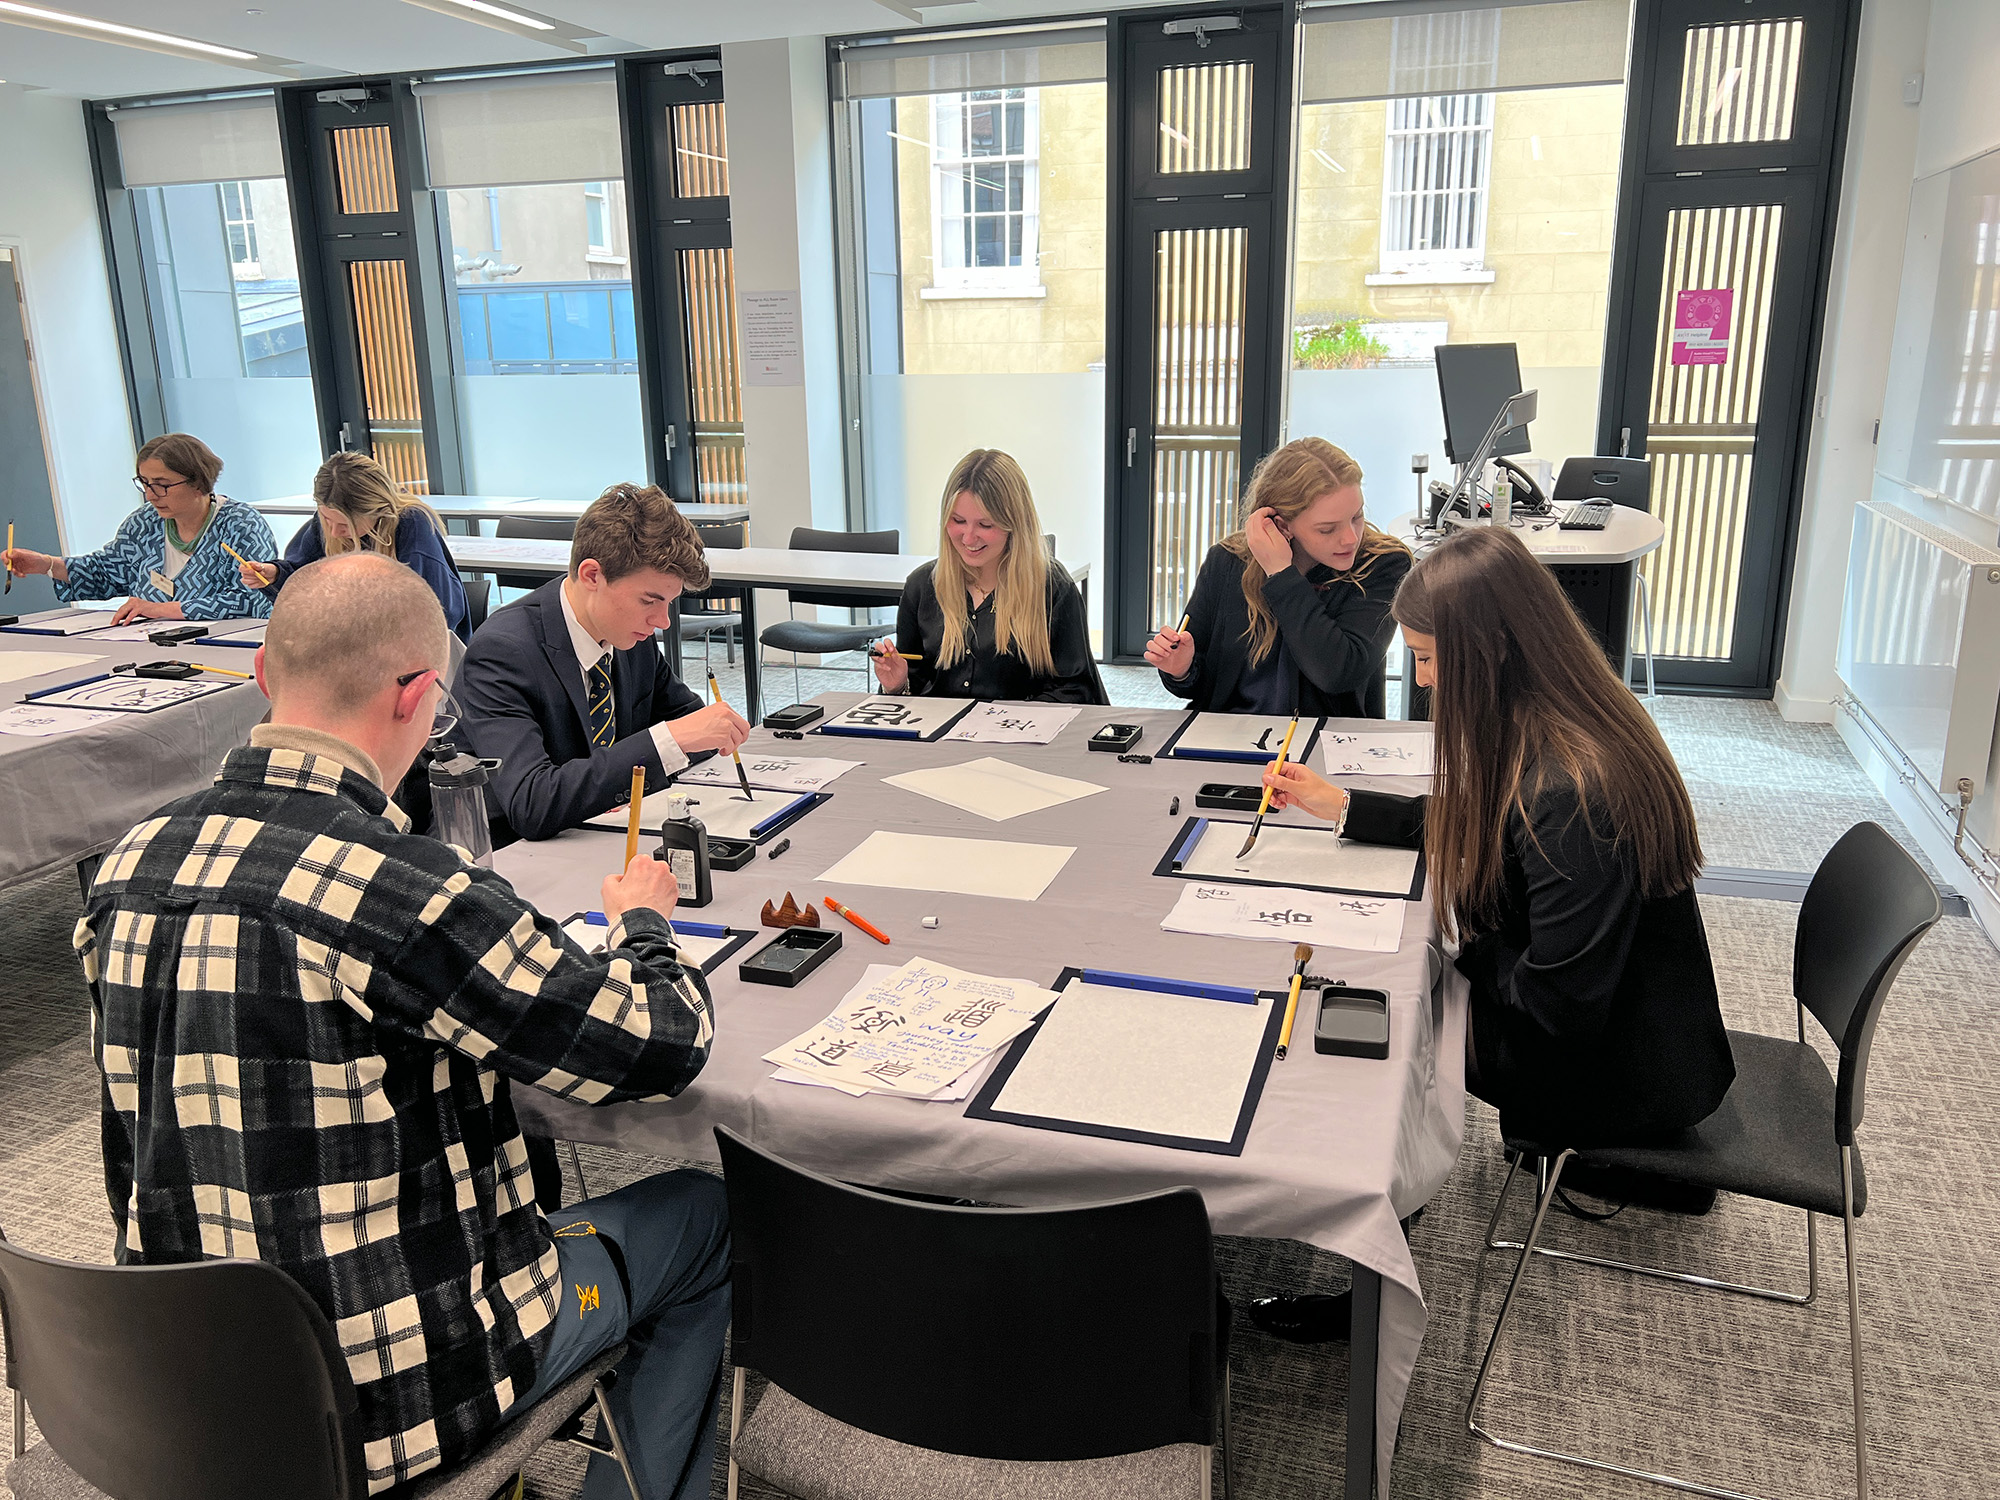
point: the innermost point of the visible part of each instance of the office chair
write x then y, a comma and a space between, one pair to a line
1622, 481
704, 614
478, 600
1081, 1346
796, 635
1785, 1131
517, 528
219, 1380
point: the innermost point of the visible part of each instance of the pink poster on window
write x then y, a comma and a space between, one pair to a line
1701, 326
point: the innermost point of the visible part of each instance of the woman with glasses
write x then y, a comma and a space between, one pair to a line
1291, 614
171, 556
361, 510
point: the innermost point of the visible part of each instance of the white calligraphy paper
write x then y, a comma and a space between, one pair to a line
64, 622
1364, 924
777, 773
993, 789
18, 666
1399, 754
31, 719
725, 813
967, 867
1014, 723
1295, 855
915, 1030
1242, 736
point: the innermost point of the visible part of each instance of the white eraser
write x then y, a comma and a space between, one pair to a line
930, 921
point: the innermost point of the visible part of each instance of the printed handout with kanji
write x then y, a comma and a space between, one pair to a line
915, 1030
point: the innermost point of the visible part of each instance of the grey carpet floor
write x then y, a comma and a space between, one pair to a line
1748, 1394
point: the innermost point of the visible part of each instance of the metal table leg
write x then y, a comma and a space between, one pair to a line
1363, 1353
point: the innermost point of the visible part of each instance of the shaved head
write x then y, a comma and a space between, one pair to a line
345, 628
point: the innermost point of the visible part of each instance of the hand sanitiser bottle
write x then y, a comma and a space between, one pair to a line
684, 846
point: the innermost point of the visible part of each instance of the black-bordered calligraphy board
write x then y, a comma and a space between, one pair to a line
1247, 739
1301, 856
882, 717
1164, 1062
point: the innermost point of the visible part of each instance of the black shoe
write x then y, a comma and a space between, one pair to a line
1305, 1317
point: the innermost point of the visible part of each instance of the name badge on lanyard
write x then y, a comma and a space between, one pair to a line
161, 582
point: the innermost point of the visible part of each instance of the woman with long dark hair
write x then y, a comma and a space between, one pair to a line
1291, 613
1562, 855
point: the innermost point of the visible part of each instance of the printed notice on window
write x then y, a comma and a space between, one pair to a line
773, 346
1701, 326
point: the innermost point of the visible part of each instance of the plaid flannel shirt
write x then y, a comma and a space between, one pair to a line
307, 1020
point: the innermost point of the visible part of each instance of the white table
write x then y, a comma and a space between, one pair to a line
1628, 535
1340, 1151
71, 796
503, 508
878, 574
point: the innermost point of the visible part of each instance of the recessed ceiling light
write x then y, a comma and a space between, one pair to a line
66, 21
501, 12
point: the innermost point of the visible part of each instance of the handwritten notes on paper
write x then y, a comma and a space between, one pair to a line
915, 1030
1400, 754
777, 773
1014, 723
1365, 924
34, 720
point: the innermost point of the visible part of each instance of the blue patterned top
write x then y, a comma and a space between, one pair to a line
209, 587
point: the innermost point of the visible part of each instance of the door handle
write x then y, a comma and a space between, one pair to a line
350, 438
1624, 442
670, 442
1131, 445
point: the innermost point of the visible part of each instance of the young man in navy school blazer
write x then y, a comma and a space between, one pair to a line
537, 674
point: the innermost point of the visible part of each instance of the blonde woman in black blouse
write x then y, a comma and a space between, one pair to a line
995, 617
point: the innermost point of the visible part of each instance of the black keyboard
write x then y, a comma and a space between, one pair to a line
1587, 517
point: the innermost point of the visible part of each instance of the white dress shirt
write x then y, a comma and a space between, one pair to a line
589, 652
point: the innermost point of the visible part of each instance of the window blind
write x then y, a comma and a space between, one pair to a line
955, 64
1416, 47
210, 140
557, 126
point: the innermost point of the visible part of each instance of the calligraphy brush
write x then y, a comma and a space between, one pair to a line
715, 691
1264, 805
10, 560
1303, 953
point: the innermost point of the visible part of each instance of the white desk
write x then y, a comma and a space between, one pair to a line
878, 574
1340, 1150
503, 508
1628, 535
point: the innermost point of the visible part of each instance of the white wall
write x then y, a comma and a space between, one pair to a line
781, 224
48, 208
1861, 315
1961, 84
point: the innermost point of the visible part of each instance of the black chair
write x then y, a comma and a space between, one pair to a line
795, 635
1078, 1346
217, 1380
1785, 1131
478, 599
705, 614
517, 528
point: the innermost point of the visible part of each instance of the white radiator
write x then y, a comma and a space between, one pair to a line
1920, 641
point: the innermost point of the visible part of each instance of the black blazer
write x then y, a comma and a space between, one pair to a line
983, 672
523, 695
1337, 631
1595, 1019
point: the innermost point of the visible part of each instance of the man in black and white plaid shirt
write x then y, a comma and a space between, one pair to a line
308, 1021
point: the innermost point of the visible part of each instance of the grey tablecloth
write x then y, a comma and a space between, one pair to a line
1341, 1149
73, 795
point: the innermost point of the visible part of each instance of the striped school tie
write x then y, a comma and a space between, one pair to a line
597, 695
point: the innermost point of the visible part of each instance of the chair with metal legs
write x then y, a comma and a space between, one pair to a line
1785, 1131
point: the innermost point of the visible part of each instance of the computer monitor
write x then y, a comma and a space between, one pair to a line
1473, 381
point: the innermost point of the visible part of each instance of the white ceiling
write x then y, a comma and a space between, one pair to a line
387, 36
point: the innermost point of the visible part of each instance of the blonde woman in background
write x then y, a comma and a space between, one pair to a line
361, 510
995, 617
1290, 614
